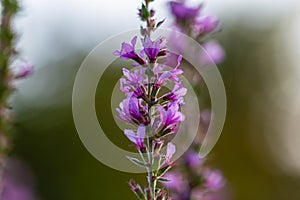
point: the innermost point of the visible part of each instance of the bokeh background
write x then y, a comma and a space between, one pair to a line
258, 151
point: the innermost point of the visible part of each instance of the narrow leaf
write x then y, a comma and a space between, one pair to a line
137, 161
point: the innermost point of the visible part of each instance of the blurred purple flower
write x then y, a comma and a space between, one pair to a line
24, 70
214, 180
137, 138
128, 52
131, 110
207, 24
175, 181
17, 183
193, 160
183, 12
214, 52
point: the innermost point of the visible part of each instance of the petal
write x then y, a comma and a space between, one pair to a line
141, 134
178, 61
133, 41
126, 48
163, 114
170, 151
130, 135
117, 53
135, 64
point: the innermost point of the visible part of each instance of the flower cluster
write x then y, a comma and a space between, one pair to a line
155, 115
154, 112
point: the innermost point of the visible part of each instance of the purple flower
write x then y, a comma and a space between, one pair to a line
170, 152
137, 138
177, 94
207, 25
24, 70
170, 117
133, 83
132, 111
205, 118
128, 52
214, 180
175, 181
163, 76
153, 48
214, 51
193, 160
17, 182
184, 13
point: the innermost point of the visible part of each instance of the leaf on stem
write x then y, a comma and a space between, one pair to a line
137, 161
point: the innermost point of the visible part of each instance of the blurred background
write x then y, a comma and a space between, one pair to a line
258, 151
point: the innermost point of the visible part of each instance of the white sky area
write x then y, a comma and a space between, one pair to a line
86, 23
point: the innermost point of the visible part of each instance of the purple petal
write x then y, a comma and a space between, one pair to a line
130, 135
116, 53
133, 41
170, 152
178, 61
24, 70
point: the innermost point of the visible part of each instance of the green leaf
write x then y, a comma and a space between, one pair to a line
137, 161
144, 12
163, 179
